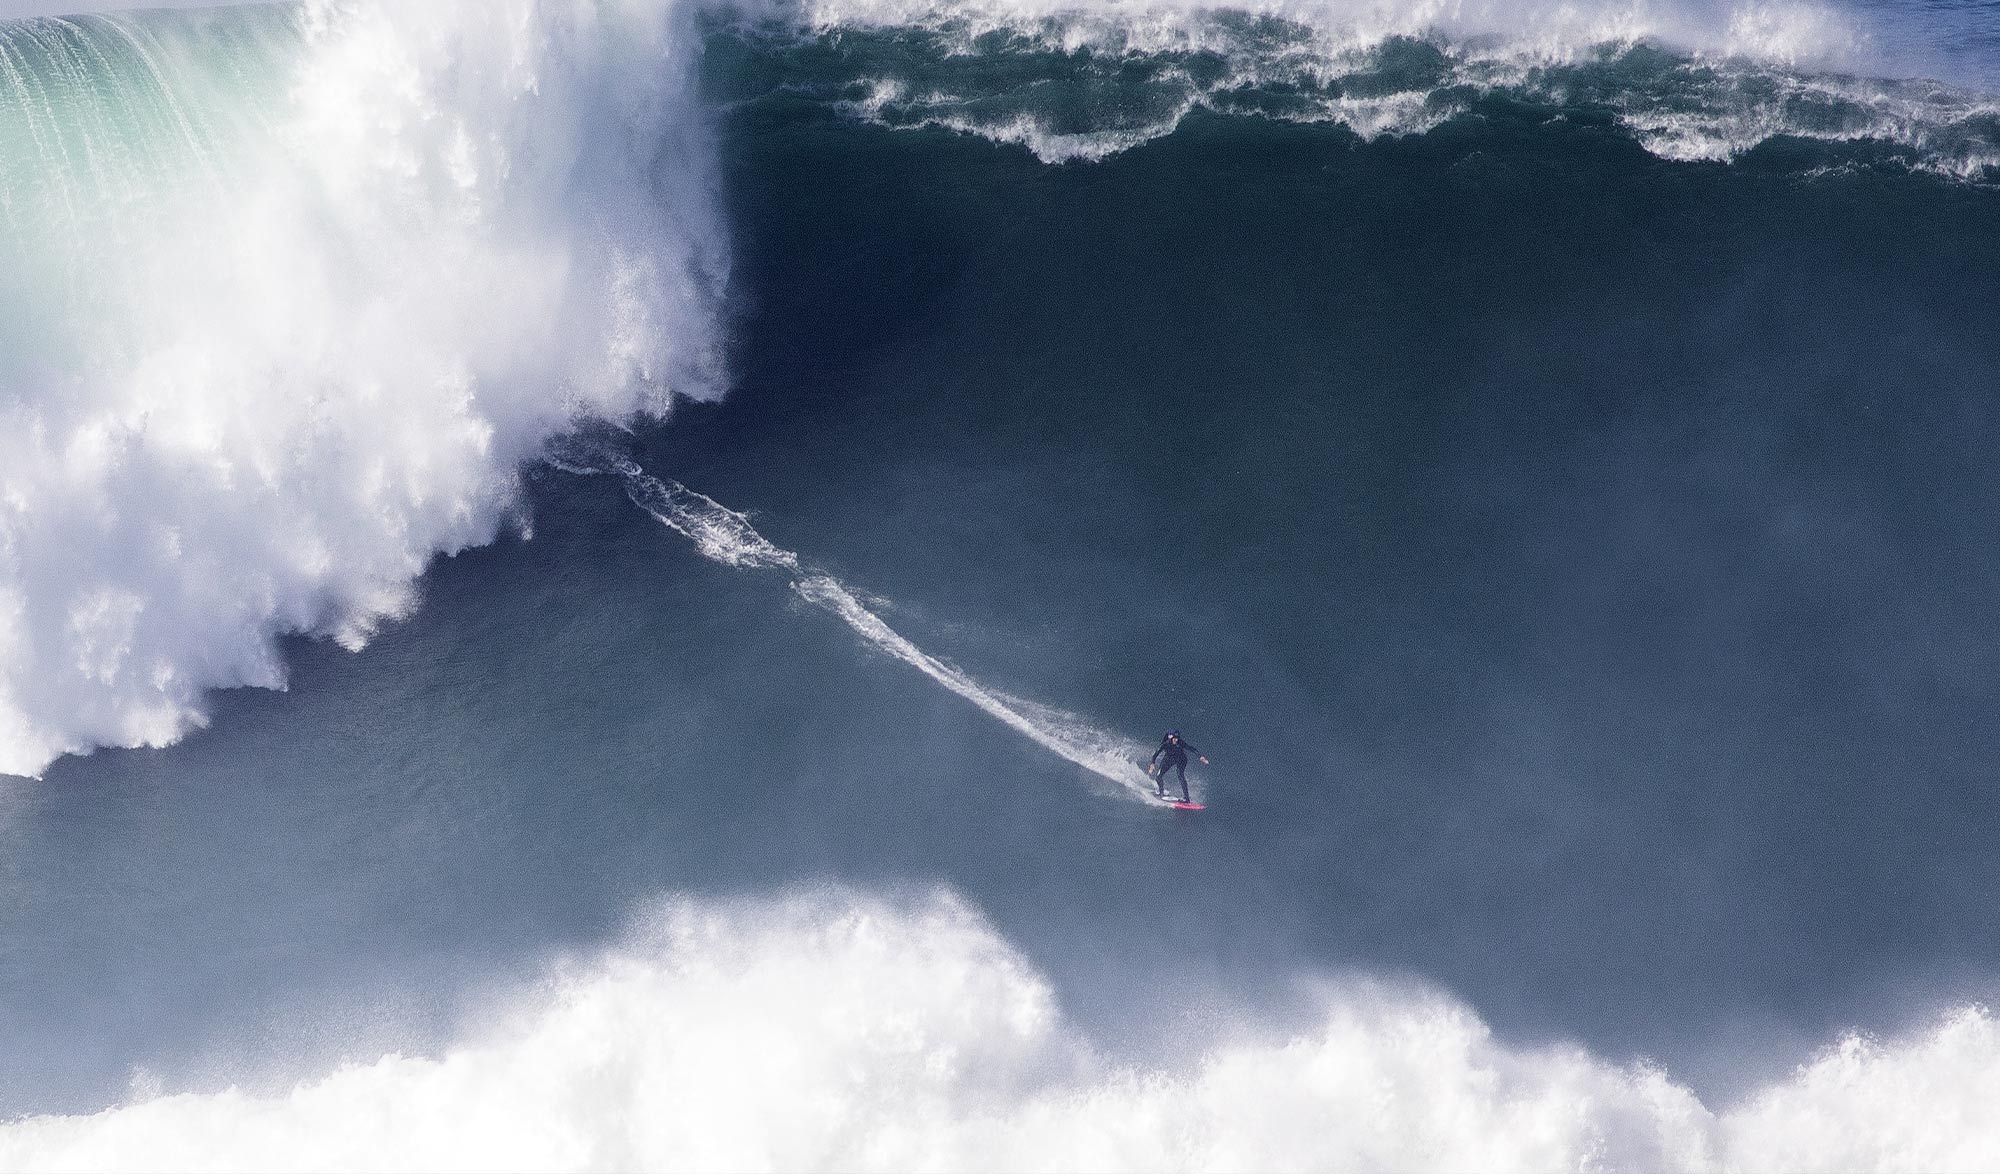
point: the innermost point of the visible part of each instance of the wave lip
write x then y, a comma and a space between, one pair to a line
275, 362
837, 1030
1705, 85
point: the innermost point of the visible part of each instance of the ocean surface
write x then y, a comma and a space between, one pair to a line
584, 585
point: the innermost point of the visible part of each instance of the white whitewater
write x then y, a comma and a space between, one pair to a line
834, 1030
288, 296
727, 537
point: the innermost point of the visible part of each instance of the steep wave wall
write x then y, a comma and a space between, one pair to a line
290, 295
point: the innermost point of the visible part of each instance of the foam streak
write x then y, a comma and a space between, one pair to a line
727, 537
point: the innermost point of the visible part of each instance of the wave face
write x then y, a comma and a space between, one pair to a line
289, 295
838, 1032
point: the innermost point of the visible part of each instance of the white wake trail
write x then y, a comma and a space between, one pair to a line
727, 537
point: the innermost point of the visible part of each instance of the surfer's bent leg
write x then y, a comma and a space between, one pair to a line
1180, 768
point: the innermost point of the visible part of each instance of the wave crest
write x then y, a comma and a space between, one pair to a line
1075, 84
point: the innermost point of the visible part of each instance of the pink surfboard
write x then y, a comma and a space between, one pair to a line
1188, 806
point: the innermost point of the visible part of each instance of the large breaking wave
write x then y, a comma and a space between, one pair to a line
289, 297
833, 1031
289, 294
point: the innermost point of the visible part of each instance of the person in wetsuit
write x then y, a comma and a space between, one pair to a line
1173, 754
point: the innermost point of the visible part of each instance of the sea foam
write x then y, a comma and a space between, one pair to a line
837, 1030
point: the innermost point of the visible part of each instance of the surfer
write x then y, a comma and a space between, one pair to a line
1175, 750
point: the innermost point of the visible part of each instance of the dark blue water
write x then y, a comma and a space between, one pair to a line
1578, 564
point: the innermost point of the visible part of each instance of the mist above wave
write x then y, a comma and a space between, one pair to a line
841, 1031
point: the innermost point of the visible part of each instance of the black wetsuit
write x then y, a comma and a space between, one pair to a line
1176, 752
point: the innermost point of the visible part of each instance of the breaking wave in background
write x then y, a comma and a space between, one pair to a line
836, 1031
1688, 85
